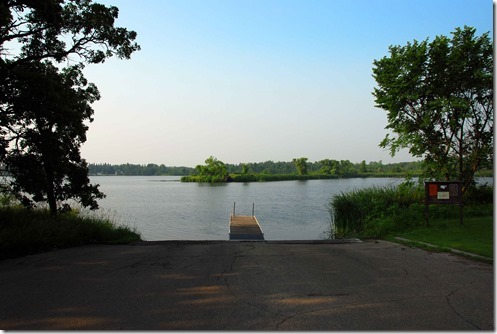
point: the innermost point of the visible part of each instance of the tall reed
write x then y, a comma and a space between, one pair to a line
25, 232
377, 211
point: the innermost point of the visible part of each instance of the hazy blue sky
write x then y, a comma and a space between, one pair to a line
257, 80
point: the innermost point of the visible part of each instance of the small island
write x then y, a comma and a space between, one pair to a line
215, 171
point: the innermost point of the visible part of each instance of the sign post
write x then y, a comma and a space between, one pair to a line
444, 192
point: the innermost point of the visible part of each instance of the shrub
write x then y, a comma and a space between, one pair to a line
242, 178
479, 194
25, 232
378, 211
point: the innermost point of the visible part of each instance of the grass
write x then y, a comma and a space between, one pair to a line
387, 212
375, 211
474, 236
24, 232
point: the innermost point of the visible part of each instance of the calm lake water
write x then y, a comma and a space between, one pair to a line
163, 208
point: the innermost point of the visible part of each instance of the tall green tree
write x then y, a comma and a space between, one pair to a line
301, 165
439, 101
44, 106
363, 168
245, 169
328, 166
44, 156
214, 169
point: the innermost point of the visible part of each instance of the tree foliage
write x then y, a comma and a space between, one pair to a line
439, 100
338, 168
46, 134
57, 29
300, 165
136, 169
214, 170
44, 106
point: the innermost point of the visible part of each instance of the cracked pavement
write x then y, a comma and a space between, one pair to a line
374, 285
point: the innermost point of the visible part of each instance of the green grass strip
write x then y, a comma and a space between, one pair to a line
474, 236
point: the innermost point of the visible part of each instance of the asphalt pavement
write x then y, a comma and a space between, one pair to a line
374, 285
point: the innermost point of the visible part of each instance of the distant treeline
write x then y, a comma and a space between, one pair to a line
340, 168
343, 168
135, 169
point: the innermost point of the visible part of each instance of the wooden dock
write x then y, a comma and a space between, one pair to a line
245, 228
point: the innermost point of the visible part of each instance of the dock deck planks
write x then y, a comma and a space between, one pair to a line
245, 228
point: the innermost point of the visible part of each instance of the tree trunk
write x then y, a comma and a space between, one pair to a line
52, 203
461, 166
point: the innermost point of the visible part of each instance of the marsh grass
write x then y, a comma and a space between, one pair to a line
377, 212
25, 232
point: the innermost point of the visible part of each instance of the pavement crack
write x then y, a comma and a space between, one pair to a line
285, 320
327, 294
346, 306
225, 276
135, 267
447, 298
229, 269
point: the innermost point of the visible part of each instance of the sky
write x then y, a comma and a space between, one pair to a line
257, 80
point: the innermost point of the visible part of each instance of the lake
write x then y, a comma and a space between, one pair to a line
163, 208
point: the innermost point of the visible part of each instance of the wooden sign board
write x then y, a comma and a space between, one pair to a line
443, 192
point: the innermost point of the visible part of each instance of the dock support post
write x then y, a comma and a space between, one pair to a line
253, 206
234, 204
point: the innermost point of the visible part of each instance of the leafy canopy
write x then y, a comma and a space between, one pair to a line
58, 29
300, 165
213, 169
44, 106
439, 101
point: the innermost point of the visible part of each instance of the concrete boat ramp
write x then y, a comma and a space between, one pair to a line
246, 285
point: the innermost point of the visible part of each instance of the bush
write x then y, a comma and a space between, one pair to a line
378, 211
479, 194
25, 232
373, 211
204, 178
242, 178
